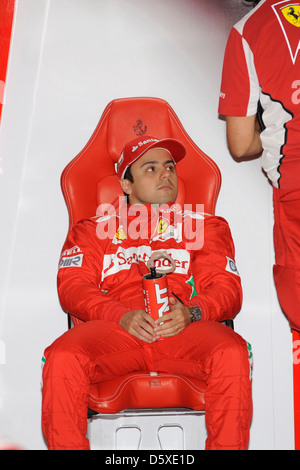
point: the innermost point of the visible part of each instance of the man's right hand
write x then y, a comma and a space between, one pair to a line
139, 324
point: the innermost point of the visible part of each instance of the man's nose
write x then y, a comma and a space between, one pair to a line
165, 173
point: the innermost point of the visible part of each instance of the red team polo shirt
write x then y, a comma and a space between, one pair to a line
262, 63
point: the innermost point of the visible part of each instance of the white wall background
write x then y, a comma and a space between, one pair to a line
69, 58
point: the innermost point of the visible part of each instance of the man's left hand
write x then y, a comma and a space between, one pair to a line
173, 322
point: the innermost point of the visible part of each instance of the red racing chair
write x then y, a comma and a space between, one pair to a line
89, 180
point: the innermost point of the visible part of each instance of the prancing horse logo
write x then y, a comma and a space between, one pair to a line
292, 14
138, 128
288, 15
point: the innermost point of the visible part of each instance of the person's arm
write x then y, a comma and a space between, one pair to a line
79, 280
243, 136
217, 281
239, 97
79, 277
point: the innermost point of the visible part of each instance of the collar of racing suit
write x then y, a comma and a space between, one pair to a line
144, 219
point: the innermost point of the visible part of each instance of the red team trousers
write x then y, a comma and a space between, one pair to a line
100, 350
287, 252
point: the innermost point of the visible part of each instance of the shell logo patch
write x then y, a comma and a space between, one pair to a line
292, 14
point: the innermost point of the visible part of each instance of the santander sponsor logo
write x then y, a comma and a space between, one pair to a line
125, 257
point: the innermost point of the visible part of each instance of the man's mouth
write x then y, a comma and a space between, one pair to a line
165, 187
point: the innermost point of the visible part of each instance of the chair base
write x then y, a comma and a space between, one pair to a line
148, 429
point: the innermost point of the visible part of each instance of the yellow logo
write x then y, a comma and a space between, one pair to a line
162, 226
120, 235
292, 14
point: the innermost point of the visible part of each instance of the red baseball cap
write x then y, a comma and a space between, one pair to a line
137, 147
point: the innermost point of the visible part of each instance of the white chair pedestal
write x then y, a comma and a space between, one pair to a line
148, 429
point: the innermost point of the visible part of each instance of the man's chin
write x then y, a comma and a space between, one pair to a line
165, 199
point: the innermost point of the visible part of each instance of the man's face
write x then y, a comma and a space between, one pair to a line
155, 179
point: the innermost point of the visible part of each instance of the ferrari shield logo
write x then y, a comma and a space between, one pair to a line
162, 226
288, 15
120, 235
292, 14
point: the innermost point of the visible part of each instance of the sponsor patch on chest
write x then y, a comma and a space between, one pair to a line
125, 257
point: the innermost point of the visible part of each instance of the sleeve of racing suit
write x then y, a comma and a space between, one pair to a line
217, 281
79, 274
239, 86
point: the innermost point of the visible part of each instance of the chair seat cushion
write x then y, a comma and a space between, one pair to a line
147, 390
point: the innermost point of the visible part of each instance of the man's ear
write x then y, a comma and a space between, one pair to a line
126, 186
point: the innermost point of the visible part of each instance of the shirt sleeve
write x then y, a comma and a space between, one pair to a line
240, 89
216, 278
78, 279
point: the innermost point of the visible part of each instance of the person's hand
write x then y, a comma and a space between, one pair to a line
139, 324
173, 322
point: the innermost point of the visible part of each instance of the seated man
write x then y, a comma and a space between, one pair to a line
103, 289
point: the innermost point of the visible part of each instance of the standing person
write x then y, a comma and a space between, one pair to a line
260, 97
100, 283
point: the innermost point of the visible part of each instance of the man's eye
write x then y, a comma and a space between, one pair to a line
150, 168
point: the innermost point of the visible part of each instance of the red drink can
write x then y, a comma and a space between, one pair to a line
156, 296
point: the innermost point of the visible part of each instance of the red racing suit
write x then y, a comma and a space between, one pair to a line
91, 259
100, 279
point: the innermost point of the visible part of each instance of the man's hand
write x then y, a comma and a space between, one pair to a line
139, 324
179, 318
